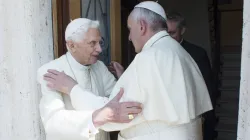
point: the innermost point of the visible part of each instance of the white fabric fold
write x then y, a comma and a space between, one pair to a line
167, 81
70, 117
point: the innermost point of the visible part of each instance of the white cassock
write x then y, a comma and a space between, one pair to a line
61, 120
167, 81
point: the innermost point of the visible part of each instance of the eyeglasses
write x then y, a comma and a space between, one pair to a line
103, 44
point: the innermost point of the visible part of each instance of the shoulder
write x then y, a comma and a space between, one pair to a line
154, 55
53, 64
194, 48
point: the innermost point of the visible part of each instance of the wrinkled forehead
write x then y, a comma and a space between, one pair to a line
93, 34
77, 28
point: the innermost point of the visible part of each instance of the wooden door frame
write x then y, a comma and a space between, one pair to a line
115, 30
61, 18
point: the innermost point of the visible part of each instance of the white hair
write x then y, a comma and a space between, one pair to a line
155, 21
77, 28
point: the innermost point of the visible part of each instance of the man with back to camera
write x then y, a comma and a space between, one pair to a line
176, 29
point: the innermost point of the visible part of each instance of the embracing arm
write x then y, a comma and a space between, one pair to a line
84, 99
113, 111
59, 122
90, 100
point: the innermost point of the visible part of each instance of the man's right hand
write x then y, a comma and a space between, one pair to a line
117, 112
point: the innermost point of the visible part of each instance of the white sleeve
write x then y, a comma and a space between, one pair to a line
121, 126
109, 80
85, 100
58, 122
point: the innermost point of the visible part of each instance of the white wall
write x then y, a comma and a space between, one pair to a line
196, 14
25, 44
244, 106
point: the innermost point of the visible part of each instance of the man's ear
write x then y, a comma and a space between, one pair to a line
183, 30
143, 26
70, 46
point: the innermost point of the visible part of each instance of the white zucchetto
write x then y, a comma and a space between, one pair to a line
79, 25
154, 7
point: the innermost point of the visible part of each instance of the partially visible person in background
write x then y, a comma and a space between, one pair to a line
176, 28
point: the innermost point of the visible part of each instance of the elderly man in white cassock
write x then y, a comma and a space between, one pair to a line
163, 77
62, 118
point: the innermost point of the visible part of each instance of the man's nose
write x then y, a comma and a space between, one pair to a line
99, 48
129, 38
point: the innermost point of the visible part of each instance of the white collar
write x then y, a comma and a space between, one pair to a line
154, 38
181, 41
74, 64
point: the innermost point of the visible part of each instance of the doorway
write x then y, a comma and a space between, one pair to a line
215, 25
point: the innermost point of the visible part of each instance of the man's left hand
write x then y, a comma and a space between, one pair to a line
116, 111
116, 69
59, 81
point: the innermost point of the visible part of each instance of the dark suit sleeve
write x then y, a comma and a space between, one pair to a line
210, 119
206, 71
